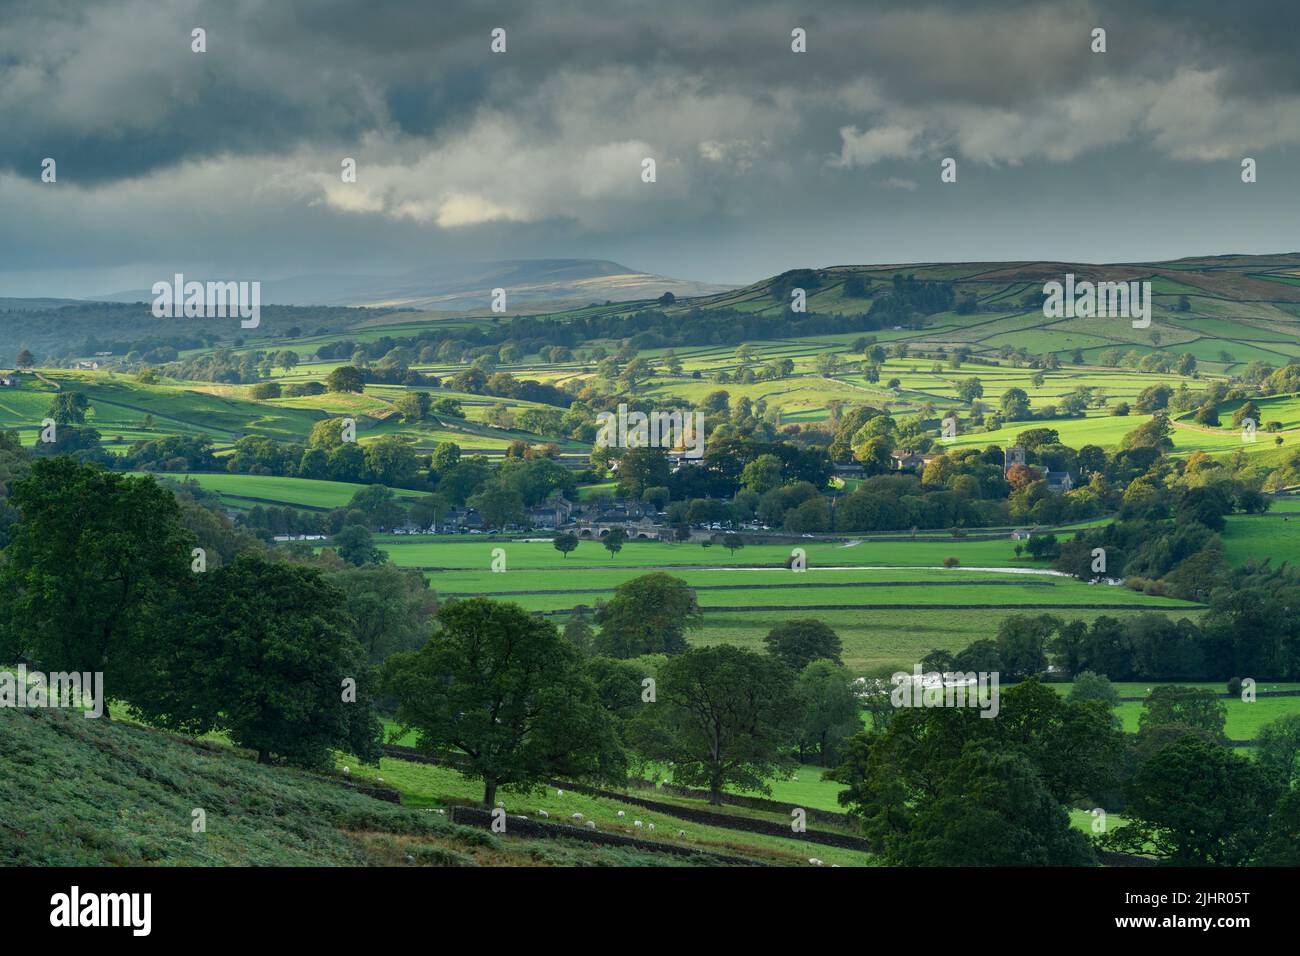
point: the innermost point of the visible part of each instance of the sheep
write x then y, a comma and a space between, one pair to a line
681, 833
543, 814
621, 813
346, 771
636, 823
578, 816
559, 793
814, 861
591, 824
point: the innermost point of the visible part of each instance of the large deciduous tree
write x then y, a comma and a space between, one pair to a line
264, 651
89, 568
502, 692
722, 716
648, 615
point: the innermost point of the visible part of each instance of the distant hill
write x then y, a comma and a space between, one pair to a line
1227, 311
555, 283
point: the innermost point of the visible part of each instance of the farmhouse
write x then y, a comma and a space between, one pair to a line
551, 513
907, 460
8, 381
1059, 482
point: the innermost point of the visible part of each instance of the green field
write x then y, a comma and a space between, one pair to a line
268, 489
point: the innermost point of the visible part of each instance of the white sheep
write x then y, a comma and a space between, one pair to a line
636, 823
814, 861
620, 813
651, 827
346, 770
591, 824
559, 793
681, 833
577, 816
543, 814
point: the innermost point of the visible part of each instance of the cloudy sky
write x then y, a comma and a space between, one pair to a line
227, 163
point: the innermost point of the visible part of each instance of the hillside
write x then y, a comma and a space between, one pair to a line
119, 795
457, 286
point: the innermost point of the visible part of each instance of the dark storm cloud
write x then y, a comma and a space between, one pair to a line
765, 158
115, 85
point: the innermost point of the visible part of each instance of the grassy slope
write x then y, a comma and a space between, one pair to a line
77, 792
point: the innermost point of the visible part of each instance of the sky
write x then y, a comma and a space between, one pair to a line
227, 163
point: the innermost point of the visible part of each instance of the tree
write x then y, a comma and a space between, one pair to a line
414, 406
579, 632
897, 776
564, 543
89, 568
648, 615
732, 542
427, 510
264, 652
391, 461
346, 378
1279, 749
25, 359
379, 506
1090, 686
992, 810
762, 474
499, 504
798, 642
356, 545
970, 390
391, 608
1022, 644
613, 540
828, 708
1196, 803
1015, 404
69, 408
641, 468
1191, 707
505, 692
721, 717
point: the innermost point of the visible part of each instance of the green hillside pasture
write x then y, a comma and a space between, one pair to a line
471, 552
1108, 431
1212, 328
269, 489
117, 795
1097, 429
1244, 718
741, 588
426, 785
1276, 537
121, 403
